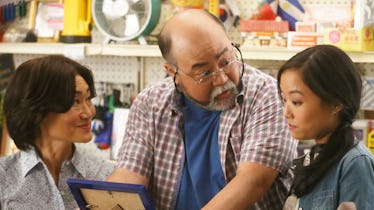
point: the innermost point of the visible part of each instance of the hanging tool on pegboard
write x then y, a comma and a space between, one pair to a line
109, 96
12, 14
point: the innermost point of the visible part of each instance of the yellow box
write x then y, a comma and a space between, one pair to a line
371, 141
350, 39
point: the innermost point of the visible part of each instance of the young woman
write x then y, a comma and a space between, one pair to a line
321, 91
47, 109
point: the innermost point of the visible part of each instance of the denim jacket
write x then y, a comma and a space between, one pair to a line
352, 179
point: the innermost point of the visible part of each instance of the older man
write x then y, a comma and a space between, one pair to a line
212, 135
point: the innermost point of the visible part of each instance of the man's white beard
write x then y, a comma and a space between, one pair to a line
216, 104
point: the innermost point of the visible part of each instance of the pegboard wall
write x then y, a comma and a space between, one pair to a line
113, 69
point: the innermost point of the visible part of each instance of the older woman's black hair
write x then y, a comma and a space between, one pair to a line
331, 75
38, 87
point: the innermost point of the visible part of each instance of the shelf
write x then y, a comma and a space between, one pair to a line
31, 48
278, 54
86, 49
50, 48
131, 50
267, 53
283, 54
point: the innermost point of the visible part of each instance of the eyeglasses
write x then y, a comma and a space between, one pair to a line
227, 66
208, 75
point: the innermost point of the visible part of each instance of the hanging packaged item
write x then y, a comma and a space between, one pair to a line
46, 19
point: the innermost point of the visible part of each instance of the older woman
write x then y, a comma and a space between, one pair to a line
47, 109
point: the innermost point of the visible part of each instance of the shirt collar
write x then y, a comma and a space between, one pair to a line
29, 159
177, 102
78, 160
240, 96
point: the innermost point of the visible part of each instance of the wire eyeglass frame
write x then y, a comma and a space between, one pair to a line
212, 74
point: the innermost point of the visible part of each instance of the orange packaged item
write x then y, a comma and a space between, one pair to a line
300, 40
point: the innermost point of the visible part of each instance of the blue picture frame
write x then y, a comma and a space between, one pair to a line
77, 185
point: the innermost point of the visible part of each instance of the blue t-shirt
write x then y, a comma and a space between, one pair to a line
202, 175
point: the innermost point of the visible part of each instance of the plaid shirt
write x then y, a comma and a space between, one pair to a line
254, 130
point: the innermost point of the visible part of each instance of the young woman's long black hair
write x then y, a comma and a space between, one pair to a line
332, 76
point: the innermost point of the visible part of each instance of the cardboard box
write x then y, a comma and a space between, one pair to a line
350, 39
264, 33
305, 26
301, 40
264, 26
363, 13
264, 39
337, 13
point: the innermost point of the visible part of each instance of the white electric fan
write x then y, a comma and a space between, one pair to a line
123, 20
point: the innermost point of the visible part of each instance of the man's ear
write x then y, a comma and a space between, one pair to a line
170, 69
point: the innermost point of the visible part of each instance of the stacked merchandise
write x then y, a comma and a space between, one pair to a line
348, 25
264, 33
358, 37
269, 25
